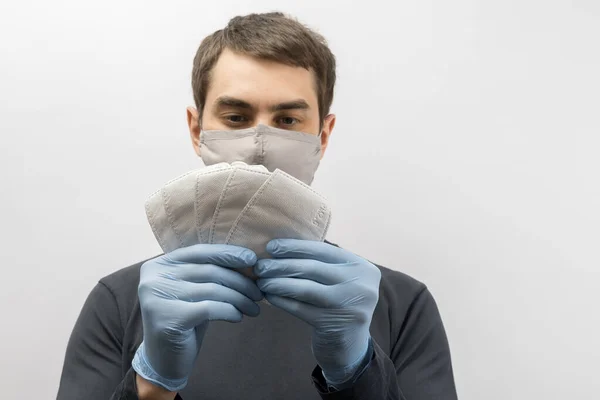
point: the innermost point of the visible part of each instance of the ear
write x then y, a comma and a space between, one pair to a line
328, 125
194, 127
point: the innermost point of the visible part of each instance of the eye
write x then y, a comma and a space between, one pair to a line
236, 118
288, 121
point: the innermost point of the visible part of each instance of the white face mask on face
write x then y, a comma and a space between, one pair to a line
295, 153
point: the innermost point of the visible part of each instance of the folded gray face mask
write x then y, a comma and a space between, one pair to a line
236, 204
295, 153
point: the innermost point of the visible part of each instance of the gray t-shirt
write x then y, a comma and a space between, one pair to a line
267, 357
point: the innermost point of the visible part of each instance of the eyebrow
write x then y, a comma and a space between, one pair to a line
227, 101
299, 104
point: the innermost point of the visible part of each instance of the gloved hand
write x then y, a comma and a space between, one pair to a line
331, 289
179, 293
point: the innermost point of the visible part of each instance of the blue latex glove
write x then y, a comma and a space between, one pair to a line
179, 293
331, 289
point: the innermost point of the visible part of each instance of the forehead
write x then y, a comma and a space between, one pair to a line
260, 82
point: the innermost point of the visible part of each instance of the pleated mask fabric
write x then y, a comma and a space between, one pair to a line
296, 153
238, 204
242, 184
283, 207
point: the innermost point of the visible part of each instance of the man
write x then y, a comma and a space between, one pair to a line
174, 326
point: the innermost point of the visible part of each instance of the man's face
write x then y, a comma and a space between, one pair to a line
245, 91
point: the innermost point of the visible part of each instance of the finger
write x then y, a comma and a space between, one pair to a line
213, 273
327, 274
307, 249
304, 290
200, 292
219, 254
303, 311
195, 314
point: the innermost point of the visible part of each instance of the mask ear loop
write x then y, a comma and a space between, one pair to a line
321, 125
200, 124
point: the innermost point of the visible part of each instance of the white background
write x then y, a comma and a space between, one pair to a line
466, 154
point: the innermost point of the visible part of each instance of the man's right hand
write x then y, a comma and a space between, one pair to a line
179, 293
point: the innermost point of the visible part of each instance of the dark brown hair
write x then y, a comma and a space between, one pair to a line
271, 36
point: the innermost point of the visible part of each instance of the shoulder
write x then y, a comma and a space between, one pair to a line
122, 279
399, 284
397, 291
123, 285
401, 294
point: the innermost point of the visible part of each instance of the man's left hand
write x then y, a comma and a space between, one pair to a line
331, 289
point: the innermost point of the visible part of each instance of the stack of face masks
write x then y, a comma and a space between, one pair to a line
238, 204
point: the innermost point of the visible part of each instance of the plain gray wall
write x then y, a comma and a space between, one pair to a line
466, 154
